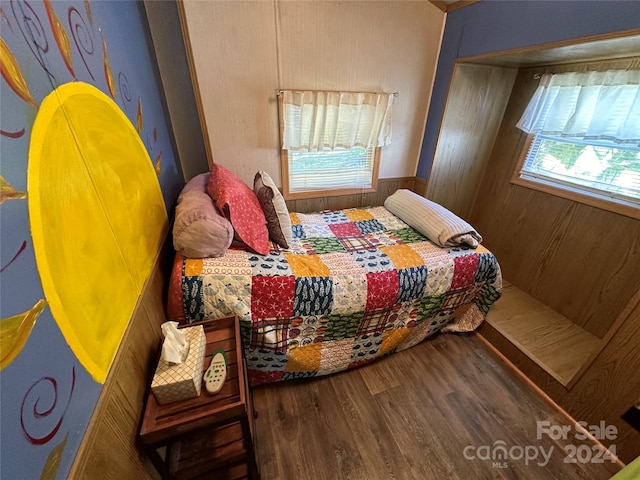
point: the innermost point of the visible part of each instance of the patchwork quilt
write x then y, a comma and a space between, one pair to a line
355, 285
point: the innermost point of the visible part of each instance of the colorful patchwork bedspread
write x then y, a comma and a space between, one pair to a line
355, 285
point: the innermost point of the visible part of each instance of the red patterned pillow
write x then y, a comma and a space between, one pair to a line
240, 206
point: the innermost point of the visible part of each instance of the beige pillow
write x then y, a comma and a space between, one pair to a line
432, 220
199, 230
274, 208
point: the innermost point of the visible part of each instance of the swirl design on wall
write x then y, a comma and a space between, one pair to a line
123, 86
6, 20
32, 30
16, 255
41, 415
82, 36
16, 134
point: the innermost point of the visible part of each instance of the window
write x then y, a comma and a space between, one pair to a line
597, 168
584, 141
331, 141
339, 169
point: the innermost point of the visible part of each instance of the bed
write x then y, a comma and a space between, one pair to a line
353, 285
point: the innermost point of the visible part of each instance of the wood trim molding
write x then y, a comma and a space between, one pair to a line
386, 187
603, 203
441, 5
420, 186
451, 6
194, 78
175, 75
495, 58
543, 394
619, 321
327, 193
460, 4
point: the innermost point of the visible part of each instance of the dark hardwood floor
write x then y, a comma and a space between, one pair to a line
414, 415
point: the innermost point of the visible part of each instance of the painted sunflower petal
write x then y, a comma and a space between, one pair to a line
158, 164
14, 332
13, 75
139, 119
60, 36
8, 192
87, 8
111, 84
52, 464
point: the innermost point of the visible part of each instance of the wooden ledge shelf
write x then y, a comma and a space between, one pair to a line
552, 341
217, 449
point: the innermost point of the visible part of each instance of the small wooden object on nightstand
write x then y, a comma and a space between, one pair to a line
211, 435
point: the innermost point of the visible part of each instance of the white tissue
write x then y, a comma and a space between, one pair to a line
175, 346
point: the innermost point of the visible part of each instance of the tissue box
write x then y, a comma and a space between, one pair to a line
174, 382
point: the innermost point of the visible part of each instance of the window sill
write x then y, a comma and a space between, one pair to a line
326, 193
602, 202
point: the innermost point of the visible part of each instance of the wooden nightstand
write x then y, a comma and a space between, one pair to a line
210, 436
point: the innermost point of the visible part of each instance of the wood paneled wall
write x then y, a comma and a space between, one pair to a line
472, 117
385, 188
579, 260
109, 449
242, 52
606, 390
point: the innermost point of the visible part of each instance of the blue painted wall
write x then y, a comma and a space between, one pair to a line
492, 26
47, 397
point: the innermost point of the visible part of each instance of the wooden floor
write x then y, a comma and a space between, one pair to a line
413, 415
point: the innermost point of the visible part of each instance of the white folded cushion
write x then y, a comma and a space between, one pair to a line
432, 220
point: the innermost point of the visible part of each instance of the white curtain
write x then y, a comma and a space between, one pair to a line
589, 105
316, 120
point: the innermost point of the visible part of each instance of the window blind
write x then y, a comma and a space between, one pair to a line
599, 167
335, 169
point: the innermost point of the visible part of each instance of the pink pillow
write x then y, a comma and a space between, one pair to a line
199, 230
240, 206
